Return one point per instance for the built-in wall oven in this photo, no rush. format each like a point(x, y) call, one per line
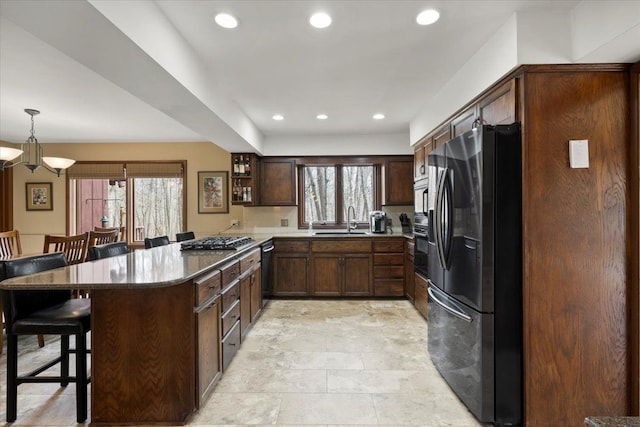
point(421, 227)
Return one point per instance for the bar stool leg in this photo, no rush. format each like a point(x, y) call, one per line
point(12, 374)
point(81, 377)
point(64, 363)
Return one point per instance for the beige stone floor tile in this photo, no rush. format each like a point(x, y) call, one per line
point(324, 360)
point(368, 381)
point(397, 361)
point(274, 381)
point(327, 408)
point(422, 409)
point(239, 408)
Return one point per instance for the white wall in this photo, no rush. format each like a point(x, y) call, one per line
point(337, 145)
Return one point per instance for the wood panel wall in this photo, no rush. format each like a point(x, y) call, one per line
point(6, 200)
point(576, 228)
point(634, 292)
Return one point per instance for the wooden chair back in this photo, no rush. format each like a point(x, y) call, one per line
point(121, 230)
point(74, 247)
point(10, 243)
point(103, 237)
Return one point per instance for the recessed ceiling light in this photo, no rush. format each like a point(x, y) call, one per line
point(278, 117)
point(378, 116)
point(320, 20)
point(427, 17)
point(322, 117)
point(226, 21)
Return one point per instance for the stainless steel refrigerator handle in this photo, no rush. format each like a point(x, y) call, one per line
point(438, 212)
point(453, 311)
point(269, 249)
point(447, 189)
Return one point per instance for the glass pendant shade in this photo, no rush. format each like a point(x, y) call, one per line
point(7, 154)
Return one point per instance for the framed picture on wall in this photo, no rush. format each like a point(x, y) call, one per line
point(39, 196)
point(213, 192)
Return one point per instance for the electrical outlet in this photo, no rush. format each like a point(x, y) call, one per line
point(235, 223)
point(284, 223)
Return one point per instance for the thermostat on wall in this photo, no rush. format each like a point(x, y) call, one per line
point(579, 153)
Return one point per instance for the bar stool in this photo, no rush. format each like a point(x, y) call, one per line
point(54, 312)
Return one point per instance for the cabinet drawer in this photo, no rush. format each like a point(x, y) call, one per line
point(346, 245)
point(229, 272)
point(291, 245)
point(230, 317)
point(388, 245)
point(229, 295)
point(207, 286)
point(230, 345)
point(388, 259)
point(249, 260)
point(388, 287)
point(388, 272)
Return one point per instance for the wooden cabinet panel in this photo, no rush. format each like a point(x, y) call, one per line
point(229, 295)
point(290, 274)
point(344, 245)
point(357, 275)
point(574, 260)
point(208, 355)
point(441, 136)
point(278, 182)
point(256, 293)
point(464, 122)
point(207, 286)
point(229, 273)
point(291, 245)
point(388, 287)
point(230, 345)
point(389, 245)
point(409, 280)
point(327, 271)
point(231, 316)
point(419, 160)
point(499, 107)
point(245, 305)
point(398, 182)
point(249, 260)
point(421, 294)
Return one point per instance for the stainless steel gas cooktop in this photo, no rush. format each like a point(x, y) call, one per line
point(216, 243)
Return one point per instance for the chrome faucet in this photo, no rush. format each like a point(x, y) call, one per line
point(349, 218)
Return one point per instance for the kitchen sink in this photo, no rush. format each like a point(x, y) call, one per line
point(340, 233)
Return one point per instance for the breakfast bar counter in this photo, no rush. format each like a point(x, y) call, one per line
point(143, 329)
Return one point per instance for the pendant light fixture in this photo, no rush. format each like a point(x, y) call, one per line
point(32, 154)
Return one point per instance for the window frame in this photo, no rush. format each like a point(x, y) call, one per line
point(72, 197)
point(338, 163)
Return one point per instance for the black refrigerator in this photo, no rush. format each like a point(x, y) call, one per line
point(475, 270)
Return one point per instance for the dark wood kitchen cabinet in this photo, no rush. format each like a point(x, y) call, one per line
point(341, 267)
point(420, 299)
point(425, 146)
point(290, 267)
point(388, 267)
point(208, 332)
point(409, 280)
point(590, 297)
point(277, 181)
point(249, 281)
point(398, 182)
point(244, 185)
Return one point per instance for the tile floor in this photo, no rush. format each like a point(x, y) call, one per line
point(305, 362)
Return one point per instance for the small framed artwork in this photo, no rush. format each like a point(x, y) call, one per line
point(213, 192)
point(39, 196)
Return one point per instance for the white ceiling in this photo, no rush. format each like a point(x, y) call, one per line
point(129, 71)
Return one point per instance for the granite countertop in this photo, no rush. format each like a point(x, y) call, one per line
point(152, 268)
point(612, 421)
point(157, 267)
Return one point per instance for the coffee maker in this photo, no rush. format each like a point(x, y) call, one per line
point(378, 222)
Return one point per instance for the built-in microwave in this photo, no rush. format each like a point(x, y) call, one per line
point(420, 200)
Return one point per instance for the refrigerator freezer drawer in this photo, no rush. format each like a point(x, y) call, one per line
point(461, 347)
